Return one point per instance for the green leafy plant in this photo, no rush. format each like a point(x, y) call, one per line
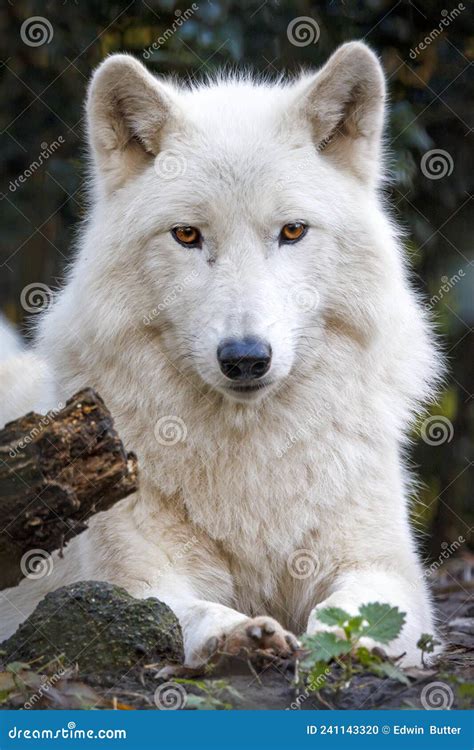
point(343, 646)
point(427, 644)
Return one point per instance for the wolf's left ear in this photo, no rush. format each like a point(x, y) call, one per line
point(127, 108)
point(344, 104)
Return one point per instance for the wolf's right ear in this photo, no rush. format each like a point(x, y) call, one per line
point(127, 108)
point(344, 106)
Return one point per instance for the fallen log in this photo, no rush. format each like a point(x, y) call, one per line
point(56, 471)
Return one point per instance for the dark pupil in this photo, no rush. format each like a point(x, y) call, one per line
point(293, 228)
point(188, 233)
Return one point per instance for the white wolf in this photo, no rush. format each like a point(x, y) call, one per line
point(241, 303)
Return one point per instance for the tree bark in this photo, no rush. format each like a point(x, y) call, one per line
point(57, 470)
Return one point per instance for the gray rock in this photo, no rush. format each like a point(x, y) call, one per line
point(100, 627)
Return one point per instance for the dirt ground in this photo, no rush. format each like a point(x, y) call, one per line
point(126, 643)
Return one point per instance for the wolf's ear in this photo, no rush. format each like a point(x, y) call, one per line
point(344, 104)
point(127, 108)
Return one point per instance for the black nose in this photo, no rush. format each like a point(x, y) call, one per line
point(244, 359)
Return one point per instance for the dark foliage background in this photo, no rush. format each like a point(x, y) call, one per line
point(42, 93)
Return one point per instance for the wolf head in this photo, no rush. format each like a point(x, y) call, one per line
point(237, 246)
point(244, 205)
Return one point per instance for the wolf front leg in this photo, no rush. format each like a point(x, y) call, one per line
point(211, 628)
point(360, 586)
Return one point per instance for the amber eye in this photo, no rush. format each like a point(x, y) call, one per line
point(188, 236)
point(292, 232)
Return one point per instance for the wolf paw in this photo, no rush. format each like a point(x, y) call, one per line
point(256, 637)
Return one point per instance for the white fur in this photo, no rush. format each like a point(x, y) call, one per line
point(313, 462)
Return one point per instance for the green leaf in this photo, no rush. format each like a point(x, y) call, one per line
point(382, 667)
point(366, 658)
point(188, 681)
point(200, 702)
point(7, 681)
point(466, 690)
point(354, 625)
point(387, 669)
point(317, 676)
point(333, 616)
point(384, 622)
point(17, 666)
point(427, 643)
point(326, 646)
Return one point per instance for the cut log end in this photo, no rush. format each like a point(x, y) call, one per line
point(56, 471)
